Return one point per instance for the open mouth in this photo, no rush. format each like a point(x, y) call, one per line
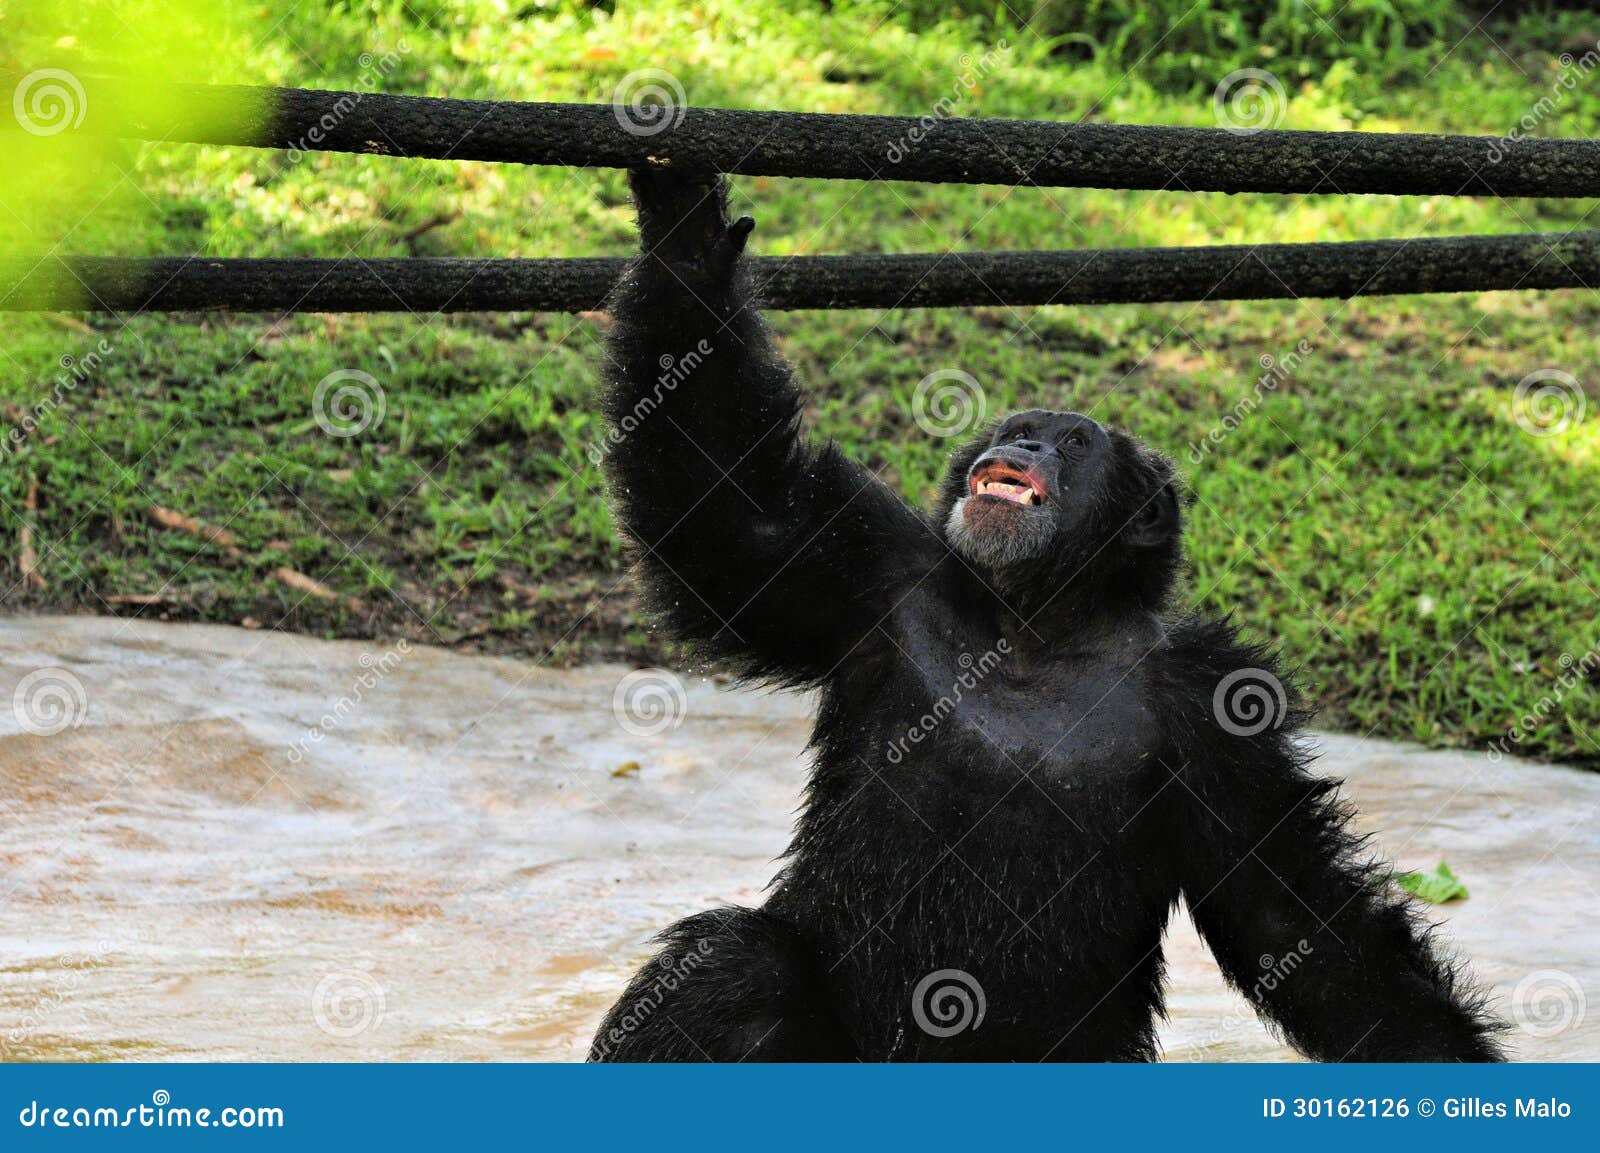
point(1003, 482)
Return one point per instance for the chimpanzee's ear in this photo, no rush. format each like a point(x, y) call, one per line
point(1159, 520)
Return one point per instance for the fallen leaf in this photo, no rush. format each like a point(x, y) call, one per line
point(171, 518)
point(311, 586)
point(1436, 887)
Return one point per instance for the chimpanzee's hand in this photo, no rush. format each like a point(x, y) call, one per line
point(683, 220)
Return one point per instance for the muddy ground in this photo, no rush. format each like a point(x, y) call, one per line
point(219, 843)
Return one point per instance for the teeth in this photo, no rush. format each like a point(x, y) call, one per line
point(1020, 493)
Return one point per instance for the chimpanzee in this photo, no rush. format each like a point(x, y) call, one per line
point(1024, 757)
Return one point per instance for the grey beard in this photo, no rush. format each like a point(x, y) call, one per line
point(1028, 539)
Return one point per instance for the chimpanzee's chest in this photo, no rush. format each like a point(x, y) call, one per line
point(961, 712)
point(989, 811)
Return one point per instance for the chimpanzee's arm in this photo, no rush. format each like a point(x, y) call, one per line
point(1317, 938)
point(755, 546)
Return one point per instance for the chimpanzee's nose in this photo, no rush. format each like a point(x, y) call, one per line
point(1029, 445)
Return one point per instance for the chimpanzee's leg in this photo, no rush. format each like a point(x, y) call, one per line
point(728, 985)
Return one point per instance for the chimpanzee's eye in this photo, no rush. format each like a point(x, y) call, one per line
point(1076, 440)
point(1020, 432)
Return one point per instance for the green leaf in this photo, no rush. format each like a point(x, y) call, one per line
point(1436, 887)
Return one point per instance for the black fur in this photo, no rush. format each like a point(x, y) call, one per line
point(1021, 766)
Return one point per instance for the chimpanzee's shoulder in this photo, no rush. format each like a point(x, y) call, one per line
point(1207, 673)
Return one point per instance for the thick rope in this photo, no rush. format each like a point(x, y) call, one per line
point(1100, 276)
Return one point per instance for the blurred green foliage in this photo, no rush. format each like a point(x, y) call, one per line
point(1176, 44)
point(1382, 514)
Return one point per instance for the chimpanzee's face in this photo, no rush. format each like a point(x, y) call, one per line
point(1058, 487)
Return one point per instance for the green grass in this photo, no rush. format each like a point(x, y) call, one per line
point(1381, 515)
